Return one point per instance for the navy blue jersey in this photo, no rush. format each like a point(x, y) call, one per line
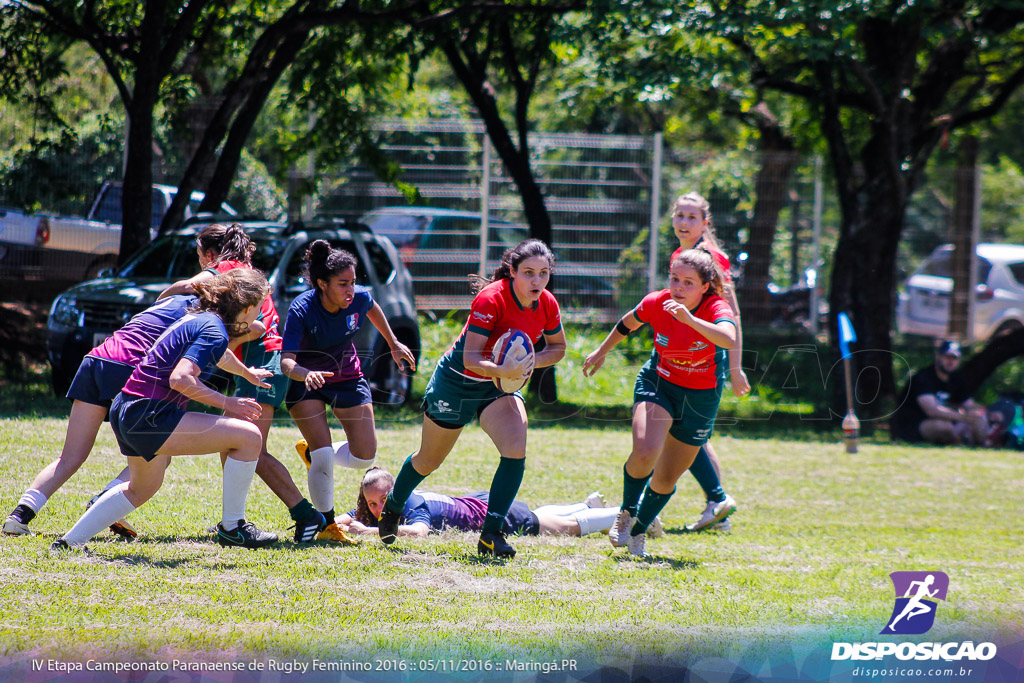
point(323, 341)
point(131, 343)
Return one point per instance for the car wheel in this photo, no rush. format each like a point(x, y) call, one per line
point(1007, 327)
point(388, 384)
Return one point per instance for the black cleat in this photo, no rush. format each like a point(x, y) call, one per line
point(62, 546)
point(387, 525)
point(494, 543)
point(245, 536)
point(307, 529)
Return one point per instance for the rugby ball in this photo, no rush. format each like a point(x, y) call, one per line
point(514, 345)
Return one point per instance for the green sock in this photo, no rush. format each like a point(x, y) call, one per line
point(302, 510)
point(504, 487)
point(652, 504)
point(631, 490)
point(408, 479)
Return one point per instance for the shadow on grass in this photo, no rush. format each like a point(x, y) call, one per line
point(651, 558)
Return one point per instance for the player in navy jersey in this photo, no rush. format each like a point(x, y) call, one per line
point(320, 358)
point(426, 511)
point(676, 396)
point(222, 247)
point(462, 388)
point(100, 378)
point(691, 223)
point(151, 423)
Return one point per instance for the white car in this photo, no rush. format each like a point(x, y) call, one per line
point(998, 301)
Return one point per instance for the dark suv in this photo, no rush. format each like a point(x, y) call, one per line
point(86, 314)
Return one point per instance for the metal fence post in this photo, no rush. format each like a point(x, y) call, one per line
point(485, 204)
point(816, 258)
point(652, 263)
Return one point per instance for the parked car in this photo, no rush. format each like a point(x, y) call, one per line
point(86, 314)
point(441, 247)
point(76, 248)
point(923, 306)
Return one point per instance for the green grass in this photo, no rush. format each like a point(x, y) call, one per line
point(817, 533)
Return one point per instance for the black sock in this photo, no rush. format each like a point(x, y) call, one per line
point(329, 516)
point(302, 510)
point(24, 514)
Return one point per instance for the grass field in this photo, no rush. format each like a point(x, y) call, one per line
point(817, 533)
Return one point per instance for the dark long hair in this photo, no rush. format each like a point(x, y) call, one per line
point(510, 261)
point(701, 260)
point(229, 242)
point(323, 262)
point(230, 293)
point(372, 477)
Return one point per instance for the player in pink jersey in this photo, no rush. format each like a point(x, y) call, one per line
point(691, 223)
point(461, 388)
point(676, 395)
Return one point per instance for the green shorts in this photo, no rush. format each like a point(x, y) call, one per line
point(254, 356)
point(693, 411)
point(452, 401)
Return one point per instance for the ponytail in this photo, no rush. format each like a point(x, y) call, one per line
point(229, 242)
point(323, 262)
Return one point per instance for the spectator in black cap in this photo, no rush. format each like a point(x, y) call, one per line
point(934, 406)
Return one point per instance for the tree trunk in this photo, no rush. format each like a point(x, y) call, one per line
point(997, 351)
point(137, 191)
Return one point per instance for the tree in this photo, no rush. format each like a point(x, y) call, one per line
point(888, 81)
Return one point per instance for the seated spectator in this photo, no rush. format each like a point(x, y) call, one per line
point(934, 408)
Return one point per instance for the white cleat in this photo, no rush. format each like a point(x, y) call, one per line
point(713, 513)
point(595, 500)
point(638, 545)
point(13, 527)
point(656, 530)
point(619, 533)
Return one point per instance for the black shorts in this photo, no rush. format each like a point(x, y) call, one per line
point(99, 381)
point(345, 394)
point(519, 520)
point(142, 425)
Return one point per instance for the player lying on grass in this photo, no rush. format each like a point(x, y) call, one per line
point(426, 511)
point(676, 395)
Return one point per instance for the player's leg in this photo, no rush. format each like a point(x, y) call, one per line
point(83, 425)
point(676, 457)
point(504, 421)
point(706, 471)
point(938, 431)
point(651, 422)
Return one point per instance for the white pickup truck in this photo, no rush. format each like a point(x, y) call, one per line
point(72, 248)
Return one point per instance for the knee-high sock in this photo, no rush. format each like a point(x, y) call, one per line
point(592, 520)
point(408, 479)
point(33, 499)
point(562, 510)
point(631, 490)
point(652, 504)
point(504, 487)
point(111, 506)
point(238, 476)
point(704, 472)
point(343, 457)
point(321, 478)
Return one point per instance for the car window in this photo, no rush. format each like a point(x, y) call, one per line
point(382, 265)
point(404, 231)
point(173, 257)
point(940, 265)
point(453, 232)
point(1017, 270)
point(109, 208)
point(294, 274)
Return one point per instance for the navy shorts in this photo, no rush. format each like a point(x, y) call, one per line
point(519, 520)
point(693, 411)
point(348, 393)
point(452, 401)
point(99, 381)
point(279, 383)
point(142, 425)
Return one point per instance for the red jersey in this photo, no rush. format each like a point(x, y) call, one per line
point(271, 339)
point(720, 258)
point(682, 355)
point(495, 311)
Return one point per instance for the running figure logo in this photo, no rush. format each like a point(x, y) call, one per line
point(917, 595)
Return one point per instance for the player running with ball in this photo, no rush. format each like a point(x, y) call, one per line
point(462, 387)
point(676, 395)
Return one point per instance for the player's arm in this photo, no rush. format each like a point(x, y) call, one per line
point(629, 323)
point(185, 380)
point(932, 408)
point(185, 286)
point(738, 378)
point(554, 350)
point(229, 363)
point(399, 351)
point(474, 358)
point(313, 379)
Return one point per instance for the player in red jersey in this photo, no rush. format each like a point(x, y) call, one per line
point(462, 387)
point(676, 395)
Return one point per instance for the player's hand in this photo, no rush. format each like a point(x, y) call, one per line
point(400, 353)
point(740, 383)
point(517, 368)
point(677, 311)
point(257, 376)
point(592, 363)
point(317, 378)
point(355, 527)
point(243, 408)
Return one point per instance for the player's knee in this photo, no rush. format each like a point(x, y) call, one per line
point(364, 451)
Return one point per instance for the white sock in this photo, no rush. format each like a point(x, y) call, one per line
point(33, 498)
point(116, 481)
point(343, 457)
point(593, 520)
point(562, 510)
point(321, 478)
point(238, 476)
point(111, 506)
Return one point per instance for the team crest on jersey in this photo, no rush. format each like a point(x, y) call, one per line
point(661, 339)
point(483, 317)
point(352, 321)
point(698, 346)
